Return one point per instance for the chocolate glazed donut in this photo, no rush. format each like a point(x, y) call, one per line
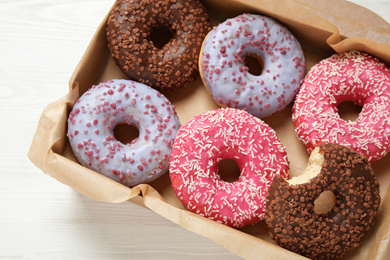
point(158, 42)
point(290, 214)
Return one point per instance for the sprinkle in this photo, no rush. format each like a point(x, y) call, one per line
point(325, 236)
point(224, 69)
point(354, 76)
point(99, 149)
point(207, 139)
point(131, 42)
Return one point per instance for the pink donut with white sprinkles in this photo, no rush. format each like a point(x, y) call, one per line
point(226, 133)
point(350, 76)
point(91, 126)
point(227, 77)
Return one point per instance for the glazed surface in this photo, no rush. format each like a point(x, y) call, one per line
point(352, 76)
point(130, 34)
point(294, 224)
point(91, 126)
point(206, 140)
point(227, 77)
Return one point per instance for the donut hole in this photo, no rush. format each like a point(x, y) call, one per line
point(160, 36)
point(126, 134)
point(228, 170)
point(349, 110)
point(325, 202)
point(254, 64)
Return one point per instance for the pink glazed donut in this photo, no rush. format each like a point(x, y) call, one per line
point(351, 76)
point(226, 76)
point(226, 133)
point(91, 126)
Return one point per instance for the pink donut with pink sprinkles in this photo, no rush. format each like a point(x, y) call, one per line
point(226, 133)
point(225, 73)
point(91, 126)
point(350, 76)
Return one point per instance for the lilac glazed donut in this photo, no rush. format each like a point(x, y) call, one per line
point(351, 76)
point(91, 131)
point(227, 77)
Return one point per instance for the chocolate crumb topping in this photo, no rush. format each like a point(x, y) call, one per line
point(158, 42)
point(290, 215)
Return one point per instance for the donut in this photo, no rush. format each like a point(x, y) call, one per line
point(157, 42)
point(226, 76)
point(100, 109)
point(204, 142)
point(290, 212)
point(351, 76)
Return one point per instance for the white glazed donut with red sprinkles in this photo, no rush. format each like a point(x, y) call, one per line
point(350, 76)
point(226, 133)
point(91, 126)
point(224, 73)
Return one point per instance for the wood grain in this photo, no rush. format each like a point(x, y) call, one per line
point(41, 43)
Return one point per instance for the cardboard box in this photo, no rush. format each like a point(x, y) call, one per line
point(322, 27)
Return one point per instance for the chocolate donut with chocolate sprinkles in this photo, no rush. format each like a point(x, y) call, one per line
point(291, 214)
point(158, 42)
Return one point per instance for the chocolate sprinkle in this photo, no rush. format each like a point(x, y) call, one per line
point(294, 225)
point(129, 33)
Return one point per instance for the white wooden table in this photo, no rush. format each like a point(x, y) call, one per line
point(41, 42)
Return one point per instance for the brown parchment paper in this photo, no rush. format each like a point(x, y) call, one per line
point(323, 27)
